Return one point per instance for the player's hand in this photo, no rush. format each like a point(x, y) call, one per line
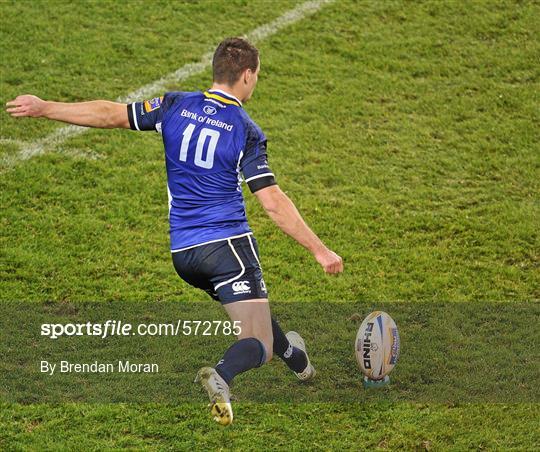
point(329, 261)
point(26, 105)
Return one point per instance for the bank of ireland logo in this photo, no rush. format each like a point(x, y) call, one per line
point(239, 287)
point(209, 110)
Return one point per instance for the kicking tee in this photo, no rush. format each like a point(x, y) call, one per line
point(210, 143)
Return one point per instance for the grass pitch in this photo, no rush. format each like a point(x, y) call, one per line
point(406, 134)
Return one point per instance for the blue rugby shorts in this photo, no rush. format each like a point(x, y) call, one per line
point(228, 270)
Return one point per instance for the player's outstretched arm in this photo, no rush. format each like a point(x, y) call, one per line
point(98, 113)
point(284, 213)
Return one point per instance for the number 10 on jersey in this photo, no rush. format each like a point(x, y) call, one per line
point(199, 159)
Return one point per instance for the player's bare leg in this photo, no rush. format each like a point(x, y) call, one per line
point(255, 317)
point(255, 320)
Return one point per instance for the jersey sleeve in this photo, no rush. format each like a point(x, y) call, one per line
point(146, 115)
point(254, 162)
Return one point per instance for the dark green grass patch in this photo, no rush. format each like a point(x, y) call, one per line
point(350, 426)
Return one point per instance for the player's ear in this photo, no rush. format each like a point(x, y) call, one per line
point(248, 73)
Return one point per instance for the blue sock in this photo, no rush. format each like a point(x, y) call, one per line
point(295, 358)
point(243, 355)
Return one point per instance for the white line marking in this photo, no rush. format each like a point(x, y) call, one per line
point(12, 141)
point(56, 138)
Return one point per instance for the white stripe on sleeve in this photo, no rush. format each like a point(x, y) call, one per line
point(259, 176)
point(134, 116)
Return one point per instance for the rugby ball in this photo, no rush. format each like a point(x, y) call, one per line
point(377, 345)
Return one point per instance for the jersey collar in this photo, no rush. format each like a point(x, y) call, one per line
point(222, 96)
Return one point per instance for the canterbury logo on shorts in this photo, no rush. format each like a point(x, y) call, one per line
point(240, 287)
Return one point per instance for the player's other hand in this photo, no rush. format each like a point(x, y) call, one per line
point(329, 261)
point(26, 105)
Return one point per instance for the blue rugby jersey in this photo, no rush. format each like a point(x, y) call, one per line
point(209, 142)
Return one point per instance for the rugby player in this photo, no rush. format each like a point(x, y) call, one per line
point(210, 143)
